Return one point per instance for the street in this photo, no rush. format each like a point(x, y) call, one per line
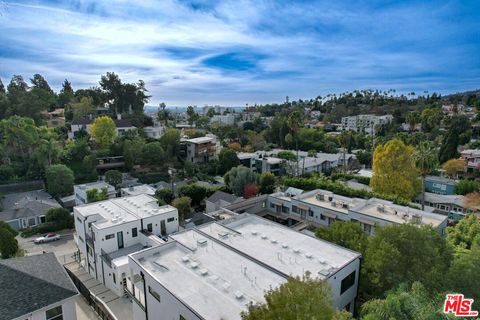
point(63, 248)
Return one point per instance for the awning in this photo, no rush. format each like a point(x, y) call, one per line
point(367, 222)
point(330, 215)
point(277, 203)
point(303, 207)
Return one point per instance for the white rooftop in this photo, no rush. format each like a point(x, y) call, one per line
point(200, 140)
point(215, 282)
point(125, 209)
point(96, 185)
point(288, 251)
point(141, 189)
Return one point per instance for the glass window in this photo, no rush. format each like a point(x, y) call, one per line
point(54, 313)
point(114, 278)
point(347, 282)
point(171, 219)
point(149, 227)
point(322, 217)
point(154, 293)
point(109, 236)
point(294, 208)
point(134, 232)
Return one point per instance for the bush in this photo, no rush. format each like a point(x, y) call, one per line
point(464, 187)
point(56, 219)
point(6, 173)
point(346, 177)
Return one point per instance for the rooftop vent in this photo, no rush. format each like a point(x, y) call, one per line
point(203, 272)
point(296, 250)
point(334, 204)
point(264, 237)
point(223, 234)
point(185, 258)
point(238, 294)
point(226, 286)
point(320, 197)
point(194, 265)
point(202, 241)
point(273, 241)
point(114, 220)
point(284, 245)
point(254, 232)
point(324, 273)
point(308, 255)
point(381, 208)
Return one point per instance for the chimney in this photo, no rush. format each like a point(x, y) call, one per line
point(119, 116)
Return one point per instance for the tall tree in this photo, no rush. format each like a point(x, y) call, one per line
point(394, 171)
point(267, 183)
point(8, 243)
point(103, 131)
point(183, 205)
point(412, 118)
point(238, 177)
point(59, 180)
point(458, 133)
point(66, 94)
point(295, 121)
point(347, 234)
point(425, 157)
point(453, 167)
point(228, 159)
point(82, 108)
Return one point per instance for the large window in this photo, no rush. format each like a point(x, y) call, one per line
point(134, 232)
point(347, 282)
point(154, 293)
point(109, 236)
point(171, 219)
point(149, 227)
point(54, 313)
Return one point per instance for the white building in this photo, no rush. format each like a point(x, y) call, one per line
point(322, 208)
point(198, 150)
point(364, 122)
point(225, 266)
point(80, 191)
point(136, 190)
point(155, 132)
point(228, 119)
point(122, 126)
point(107, 231)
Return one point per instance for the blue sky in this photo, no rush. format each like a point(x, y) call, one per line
point(241, 51)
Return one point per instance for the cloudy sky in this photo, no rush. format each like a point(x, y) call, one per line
point(241, 51)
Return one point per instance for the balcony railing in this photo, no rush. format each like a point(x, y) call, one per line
point(106, 258)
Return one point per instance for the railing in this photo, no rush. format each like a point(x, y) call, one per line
point(135, 294)
point(106, 258)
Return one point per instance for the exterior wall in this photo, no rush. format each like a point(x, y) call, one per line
point(335, 281)
point(81, 194)
point(439, 187)
point(68, 309)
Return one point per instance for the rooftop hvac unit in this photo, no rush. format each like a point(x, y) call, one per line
point(194, 265)
point(320, 197)
point(381, 208)
point(324, 273)
point(238, 294)
point(203, 272)
point(334, 204)
point(185, 258)
point(308, 255)
point(296, 250)
point(264, 237)
point(114, 220)
point(284, 246)
point(202, 241)
point(223, 235)
point(273, 241)
point(254, 232)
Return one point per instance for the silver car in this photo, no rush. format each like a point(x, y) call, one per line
point(47, 238)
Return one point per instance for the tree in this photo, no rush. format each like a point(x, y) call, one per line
point(228, 159)
point(66, 94)
point(464, 187)
point(347, 234)
point(103, 131)
point(394, 172)
point(405, 253)
point(405, 303)
point(294, 122)
point(425, 157)
point(192, 115)
point(93, 195)
point(287, 155)
point(8, 243)
point(193, 191)
point(453, 167)
point(82, 108)
point(60, 217)
point(163, 114)
point(153, 154)
point(459, 132)
point(183, 205)
point(267, 183)
point(250, 190)
point(59, 180)
point(170, 141)
point(297, 298)
point(131, 151)
point(114, 177)
point(165, 195)
point(412, 118)
point(238, 177)
point(464, 233)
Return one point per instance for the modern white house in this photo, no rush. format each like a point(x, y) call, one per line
point(364, 122)
point(107, 231)
point(214, 271)
point(36, 287)
point(80, 191)
point(322, 208)
point(154, 132)
point(140, 189)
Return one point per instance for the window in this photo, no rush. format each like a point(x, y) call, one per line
point(294, 209)
point(54, 313)
point(114, 278)
point(154, 293)
point(171, 219)
point(285, 209)
point(322, 217)
point(310, 213)
point(109, 236)
point(79, 220)
point(367, 228)
point(149, 227)
point(134, 232)
point(347, 282)
point(272, 205)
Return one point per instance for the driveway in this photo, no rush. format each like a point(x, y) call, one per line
point(63, 248)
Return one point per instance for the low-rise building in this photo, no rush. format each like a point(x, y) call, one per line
point(26, 209)
point(36, 287)
point(107, 231)
point(140, 189)
point(80, 191)
point(322, 208)
point(472, 159)
point(445, 204)
point(218, 200)
point(228, 119)
point(77, 125)
point(440, 185)
point(199, 150)
point(225, 266)
point(154, 132)
point(364, 123)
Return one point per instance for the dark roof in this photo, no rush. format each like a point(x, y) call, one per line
point(120, 123)
point(31, 283)
point(27, 204)
point(220, 195)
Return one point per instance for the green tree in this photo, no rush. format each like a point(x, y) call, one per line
point(59, 180)
point(103, 131)
point(238, 177)
point(267, 183)
point(93, 195)
point(183, 205)
point(228, 159)
point(405, 253)
point(114, 177)
point(453, 167)
point(346, 234)
point(425, 157)
point(170, 142)
point(405, 303)
point(82, 108)
point(294, 122)
point(464, 233)
point(193, 191)
point(8, 243)
point(287, 155)
point(131, 151)
point(153, 154)
point(464, 187)
point(60, 217)
point(192, 115)
point(165, 195)
point(66, 94)
point(394, 171)
point(458, 133)
point(297, 298)
point(412, 118)
point(163, 113)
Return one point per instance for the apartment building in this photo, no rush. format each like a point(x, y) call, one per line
point(322, 208)
point(226, 265)
point(224, 120)
point(364, 123)
point(80, 191)
point(107, 231)
point(199, 150)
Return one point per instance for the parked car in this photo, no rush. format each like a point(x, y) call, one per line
point(47, 238)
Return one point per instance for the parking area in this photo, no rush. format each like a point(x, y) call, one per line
point(63, 248)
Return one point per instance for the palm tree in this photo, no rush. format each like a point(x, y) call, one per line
point(412, 118)
point(425, 158)
point(294, 121)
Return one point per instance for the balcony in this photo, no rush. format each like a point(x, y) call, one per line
point(135, 291)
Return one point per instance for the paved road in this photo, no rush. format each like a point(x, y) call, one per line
point(62, 248)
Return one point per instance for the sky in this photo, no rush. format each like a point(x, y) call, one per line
point(241, 51)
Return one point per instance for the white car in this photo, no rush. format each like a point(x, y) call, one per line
point(47, 238)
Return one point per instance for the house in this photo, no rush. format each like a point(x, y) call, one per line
point(26, 209)
point(322, 208)
point(122, 126)
point(36, 287)
point(226, 265)
point(440, 185)
point(199, 150)
point(445, 204)
point(56, 118)
point(218, 200)
point(364, 123)
point(136, 190)
point(224, 120)
point(154, 132)
point(472, 159)
point(107, 231)
point(80, 191)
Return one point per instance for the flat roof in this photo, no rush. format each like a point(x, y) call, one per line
point(216, 282)
point(286, 250)
point(143, 188)
point(200, 140)
point(336, 204)
point(125, 209)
